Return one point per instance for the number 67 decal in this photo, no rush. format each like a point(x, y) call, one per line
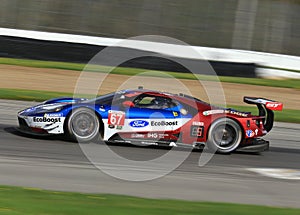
point(116, 118)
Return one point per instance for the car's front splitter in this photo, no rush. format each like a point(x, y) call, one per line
point(32, 132)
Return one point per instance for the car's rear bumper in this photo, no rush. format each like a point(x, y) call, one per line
point(257, 145)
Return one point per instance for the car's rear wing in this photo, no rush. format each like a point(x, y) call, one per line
point(265, 108)
point(269, 104)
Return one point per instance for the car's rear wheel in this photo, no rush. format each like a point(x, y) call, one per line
point(83, 125)
point(224, 135)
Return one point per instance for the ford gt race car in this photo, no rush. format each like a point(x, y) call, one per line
point(153, 118)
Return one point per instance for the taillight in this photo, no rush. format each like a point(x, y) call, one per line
point(259, 122)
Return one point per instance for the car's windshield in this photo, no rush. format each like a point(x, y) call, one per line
point(107, 99)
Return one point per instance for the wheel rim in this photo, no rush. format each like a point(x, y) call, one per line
point(225, 136)
point(84, 125)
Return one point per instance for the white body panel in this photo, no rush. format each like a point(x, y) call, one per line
point(52, 124)
point(152, 125)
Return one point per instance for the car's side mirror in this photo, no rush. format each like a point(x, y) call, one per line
point(128, 104)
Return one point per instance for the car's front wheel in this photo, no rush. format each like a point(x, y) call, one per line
point(83, 125)
point(224, 135)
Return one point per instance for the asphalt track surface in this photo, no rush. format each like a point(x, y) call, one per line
point(56, 164)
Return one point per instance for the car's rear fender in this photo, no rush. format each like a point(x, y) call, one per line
point(228, 117)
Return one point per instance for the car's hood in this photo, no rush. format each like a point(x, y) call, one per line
point(52, 105)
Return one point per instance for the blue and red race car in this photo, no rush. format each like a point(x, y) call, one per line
point(153, 118)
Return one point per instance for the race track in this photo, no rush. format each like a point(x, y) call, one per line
point(52, 163)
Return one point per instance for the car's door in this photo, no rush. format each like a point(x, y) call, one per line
point(150, 118)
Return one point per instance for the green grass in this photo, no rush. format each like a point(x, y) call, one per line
point(33, 95)
point(42, 64)
point(286, 83)
point(19, 200)
point(30, 95)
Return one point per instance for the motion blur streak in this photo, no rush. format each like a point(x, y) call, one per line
point(269, 25)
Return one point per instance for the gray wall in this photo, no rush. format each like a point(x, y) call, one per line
point(261, 25)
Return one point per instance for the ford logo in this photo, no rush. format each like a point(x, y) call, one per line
point(138, 123)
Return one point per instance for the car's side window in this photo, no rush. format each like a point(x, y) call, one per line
point(185, 109)
point(153, 102)
point(146, 100)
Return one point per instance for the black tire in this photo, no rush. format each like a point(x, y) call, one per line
point(83, 125)
point(224, 136)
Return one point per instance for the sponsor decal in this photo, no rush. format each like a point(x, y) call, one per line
point(53, 115)
point(256, 131)
point(236, 113)
point(211, 112)
point(157, 135)
point(163, 135)
point(274, 105)
point(197, 131)
point(116, 118)
point(44, 119)
point(139, 123)
point(175, 113)
point(138, 135)
point(250, 133)
point(198, 123)
point(149, 143)
point(152, 135)
point(164, 123)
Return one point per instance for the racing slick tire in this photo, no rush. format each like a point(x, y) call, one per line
point(83, 125)
point(224, 136)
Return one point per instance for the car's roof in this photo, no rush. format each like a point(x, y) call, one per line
point(182, 97)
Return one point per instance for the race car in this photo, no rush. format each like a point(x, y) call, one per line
point(152, 117)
